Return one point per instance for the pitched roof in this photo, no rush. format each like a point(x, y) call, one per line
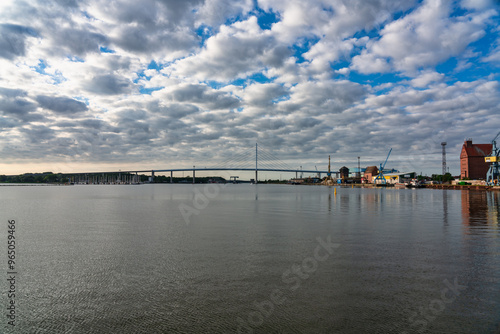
point(477, 150)
point(371, 169)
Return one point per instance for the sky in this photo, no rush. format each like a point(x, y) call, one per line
point(107, 85)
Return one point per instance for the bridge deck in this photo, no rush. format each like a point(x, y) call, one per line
point(208, 169)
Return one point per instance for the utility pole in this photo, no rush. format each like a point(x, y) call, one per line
point(443, 144)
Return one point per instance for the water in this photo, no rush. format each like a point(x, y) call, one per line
point(249, 259)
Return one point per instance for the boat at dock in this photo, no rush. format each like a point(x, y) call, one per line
point(415, 184)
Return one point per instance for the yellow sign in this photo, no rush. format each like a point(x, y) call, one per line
point(491, 159)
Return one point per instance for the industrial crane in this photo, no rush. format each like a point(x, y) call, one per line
point(493, 175)
point(380, 175)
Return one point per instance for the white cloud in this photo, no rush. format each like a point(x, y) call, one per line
point(421, 39)
point(216, 12)
point(263, 95)
point(238, 50)
point(494, 55)
point(425, 78)
point(368, 63)
point(478, 4)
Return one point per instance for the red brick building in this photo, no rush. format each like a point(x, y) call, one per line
point(370, 173)
point(472, 164)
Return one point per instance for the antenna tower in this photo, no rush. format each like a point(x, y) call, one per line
point(443, 144)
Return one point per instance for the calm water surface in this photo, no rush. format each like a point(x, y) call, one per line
point(252, 259)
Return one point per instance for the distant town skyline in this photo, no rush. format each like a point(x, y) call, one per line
point(97, 85)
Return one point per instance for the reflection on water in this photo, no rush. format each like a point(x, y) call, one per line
point(445, 207)
point(480, 208)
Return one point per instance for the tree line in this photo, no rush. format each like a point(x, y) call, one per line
point(47, 177)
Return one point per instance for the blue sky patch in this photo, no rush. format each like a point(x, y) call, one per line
point(154, 66)
point(266, 19)
point(375, 79)
point(257, 77)
point(204, 32)
point(82, 99)
point(105, 49)
point(302, 47)
point(40, 68)
point(148, 91)
point(76, 59)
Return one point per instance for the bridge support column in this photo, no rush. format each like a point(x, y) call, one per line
point(171, 176)
point(152, 176)
point(194, 177)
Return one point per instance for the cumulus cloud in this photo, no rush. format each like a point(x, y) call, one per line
point(423, 38)
point(214, 13)
point(263, 95)
point(14, 103)
point(238, 50)
point(426, 78)
point(336, 19)
point(202, 95)
point(13, 40)
point(62, 105)
point(77, 42)
point(108, 84)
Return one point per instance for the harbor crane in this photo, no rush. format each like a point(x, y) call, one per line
point(380, 175)
point(493, 175)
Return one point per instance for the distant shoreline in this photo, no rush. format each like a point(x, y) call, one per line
point(371, 186)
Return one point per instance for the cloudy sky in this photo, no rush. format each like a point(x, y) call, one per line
point(107, 85)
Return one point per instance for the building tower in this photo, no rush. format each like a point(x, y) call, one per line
point(443, 144)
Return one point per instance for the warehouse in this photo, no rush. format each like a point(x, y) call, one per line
point(472, 164)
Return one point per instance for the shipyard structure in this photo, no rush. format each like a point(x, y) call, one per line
point(479, 163)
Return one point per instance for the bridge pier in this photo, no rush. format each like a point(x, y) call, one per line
point(194, 177)
point(171, 176)
point(152, 176)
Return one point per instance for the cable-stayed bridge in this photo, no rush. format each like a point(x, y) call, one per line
point(251, 160)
